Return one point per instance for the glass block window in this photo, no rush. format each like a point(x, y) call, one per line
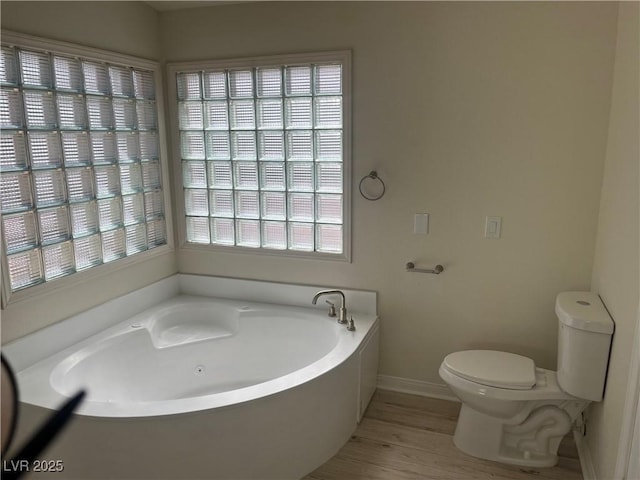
point(262, 151)
point(80, 178)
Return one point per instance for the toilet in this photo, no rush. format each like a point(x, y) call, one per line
point(514, 412)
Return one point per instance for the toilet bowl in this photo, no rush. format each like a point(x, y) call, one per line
point(513, 412)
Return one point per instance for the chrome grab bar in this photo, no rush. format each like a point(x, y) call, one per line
point(411, 267)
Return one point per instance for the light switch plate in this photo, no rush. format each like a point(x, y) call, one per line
point(493, 227)
point(421, 223)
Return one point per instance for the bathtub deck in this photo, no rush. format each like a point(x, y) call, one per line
point(406, 437)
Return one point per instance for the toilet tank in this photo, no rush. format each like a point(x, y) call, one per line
point(584, 339)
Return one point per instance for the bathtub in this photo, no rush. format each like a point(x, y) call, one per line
point(200, 377)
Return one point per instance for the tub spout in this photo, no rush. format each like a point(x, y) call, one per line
point(342, 315)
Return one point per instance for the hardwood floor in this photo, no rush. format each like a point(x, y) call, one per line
point(408, 437)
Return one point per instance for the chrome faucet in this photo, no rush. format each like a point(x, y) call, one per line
point(342, 311)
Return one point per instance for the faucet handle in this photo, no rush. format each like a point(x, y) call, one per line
point(332, 308)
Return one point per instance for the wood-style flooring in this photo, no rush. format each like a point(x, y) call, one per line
point(409, 437)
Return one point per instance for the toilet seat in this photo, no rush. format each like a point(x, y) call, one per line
point(492, 368)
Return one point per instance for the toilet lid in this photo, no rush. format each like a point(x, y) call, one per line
point(494, 369)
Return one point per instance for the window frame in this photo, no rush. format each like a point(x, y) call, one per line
point(30, 42)
point(173, 68)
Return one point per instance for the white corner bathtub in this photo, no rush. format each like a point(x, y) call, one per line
point(195, 386)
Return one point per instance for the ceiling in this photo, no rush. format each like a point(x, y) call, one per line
point(169, 5)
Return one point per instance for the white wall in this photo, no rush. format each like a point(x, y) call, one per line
point(130, 28)
point(465, 110)
point(616, 263)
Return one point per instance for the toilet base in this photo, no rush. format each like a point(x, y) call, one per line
point(486, 437)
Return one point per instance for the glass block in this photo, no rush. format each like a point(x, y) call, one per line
point(80, 184)
point(300, 145)
point(127, 145)
point(247, 205)
point(270, 113)
point(220, 175)
point(103, 147)
point(327, 112)
point(194, 174)
point(328, 80)
point(84, 219)
point(196, 202)
point(68, 73)
point(54, 225)
point(13, 152)
point(329, 208)
point(107, 181)
point(44, 149)
point(100, 113)
point(246, 175)
point(248, 233)
point(328, 145)
point(58, 260)
point(136, 238)
point(121, 81)
point(49, 187)
point(218, 146)
point(274, 235)
point(221, 202)
point(329, 238)
point(222, 231)
point(19, 231)
point(215, 85)
point(242, 115)
point(329, 177)
point(274, 205)
point(269, 82)
point(147, 116)
point(110, 213)
point(113, 245)
point(240, 84)
point(192, 145)
point(190, 116)
point(153, 204)
point(243, 146)
point(301, 237)
point(189, 87)
point(271, 146)
point(298, 112)
point(156, 233)
point(36, 69)
point(96, 78)
point(198, 230)
point(216, 115)
point(301, 207)
point(10, 108)
point(298, 80)
point(144, 84)
point(151, 178)
point(133, 208)
point(300, 177)
point(130, 178)
point(75, 148)
point(72, 113)
point(272, 176)
point(8, 66)
point(88, 252)
point(39, 109)
point(124, 114)
point(15, 191)
point(25, 269)
point(149, 146)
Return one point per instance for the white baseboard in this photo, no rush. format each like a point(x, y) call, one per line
point(586, 460)
point(416, 387)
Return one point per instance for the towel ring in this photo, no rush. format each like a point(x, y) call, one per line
point(374, 176)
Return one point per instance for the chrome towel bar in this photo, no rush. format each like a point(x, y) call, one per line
point(411, 267)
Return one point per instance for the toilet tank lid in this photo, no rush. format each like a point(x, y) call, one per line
point(493, 368)
point(583, 311)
